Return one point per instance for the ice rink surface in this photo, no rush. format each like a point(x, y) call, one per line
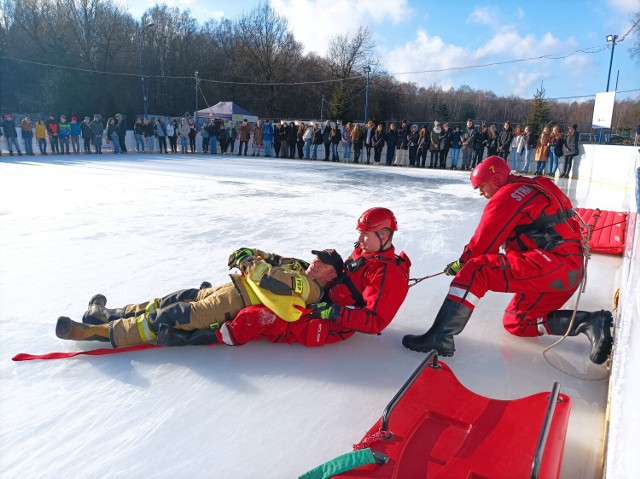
point(135, 227)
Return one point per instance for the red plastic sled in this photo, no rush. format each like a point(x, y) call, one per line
point(608, 230)
point(436, 428)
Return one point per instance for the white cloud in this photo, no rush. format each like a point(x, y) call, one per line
point(483, 16)
point(626, 6)
point(315, 22)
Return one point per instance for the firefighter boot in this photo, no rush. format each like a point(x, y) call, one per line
point(450, 320)
point(596, 326)
point(69, 329)
point(97, 312)
point(168, 336)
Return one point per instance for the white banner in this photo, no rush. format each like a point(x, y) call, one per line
point(603, 110)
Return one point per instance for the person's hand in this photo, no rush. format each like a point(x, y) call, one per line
point(452, 268)
point(237, 256)
point(325, 311)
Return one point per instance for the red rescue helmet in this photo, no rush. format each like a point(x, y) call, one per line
point(493, 170)
point(376, 219)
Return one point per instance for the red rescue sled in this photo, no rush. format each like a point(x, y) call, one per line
point(436, 428)
point(608, 230)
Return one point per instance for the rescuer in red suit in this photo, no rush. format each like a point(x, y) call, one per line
point(365, 298)
point(542, 263)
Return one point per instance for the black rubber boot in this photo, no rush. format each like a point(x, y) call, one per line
point(450, 320)
point(168, 336)
point(66, 328)
point(97, 312)
point(596, 326)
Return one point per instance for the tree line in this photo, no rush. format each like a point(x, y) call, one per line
point(81, 57)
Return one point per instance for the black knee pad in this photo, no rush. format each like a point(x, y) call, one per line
point(182, 295)
point(170, 316)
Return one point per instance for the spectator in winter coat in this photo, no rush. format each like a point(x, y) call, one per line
point(258, 142)
point(244, 131)
point(52, 130)
point(558, 143)
point(423, 147)
point(112, 135)
point(361, 295)
point(378, 143)
point(11, 134)
point(121, 129)
point(468, 144)
point(183, 134)
point(456, 143)
point(150, 134)
point(336, 138)
point(41, 136)
point(138, 134)
point(530, 141)
point(75, 135)
point(27, 135)
point(346, 142)
point(446, 137)
point(357, 139)
point(326, 140)
point(403, 146)
point(492, 141)
point(97, 130)
point(412, 142)
point(161, 131)
point(504, 141)
point(542, 150)
point(307, 137)
point(369, 130)
point(231, 134)
point(317, 140)
point(172, 134)
point(434, 144)
point(392, 142)
point(300, 140)
point(569, 151)
point(480, 142)
point(517, 146)
point(292, 140)
point(267, 137)
point(64, 129)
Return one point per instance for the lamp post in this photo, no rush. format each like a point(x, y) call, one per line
point(367, 70)
point(144, 90)
point(612, 39)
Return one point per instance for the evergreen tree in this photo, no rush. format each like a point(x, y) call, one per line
point(539, 111)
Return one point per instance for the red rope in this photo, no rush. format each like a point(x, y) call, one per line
point(92, 352)
point(370, 439)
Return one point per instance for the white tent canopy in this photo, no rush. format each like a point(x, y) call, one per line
point(227, 110)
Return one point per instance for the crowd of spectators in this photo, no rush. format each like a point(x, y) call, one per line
point(425, 146)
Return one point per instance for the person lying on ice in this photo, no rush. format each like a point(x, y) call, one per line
point(365, 295)
point(267, 278)
point(542, 264)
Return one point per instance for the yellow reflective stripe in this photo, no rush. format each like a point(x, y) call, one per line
point(143, 329)
point(152, 306)
point(301, 287)
point(259, 272)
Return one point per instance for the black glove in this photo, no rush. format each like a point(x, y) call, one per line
point(452, 268)
point(237, 256)
point(325, 311)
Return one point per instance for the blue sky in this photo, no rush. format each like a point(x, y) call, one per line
point(427, 42)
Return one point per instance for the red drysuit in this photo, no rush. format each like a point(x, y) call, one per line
point(543, 258)
point(370, 292)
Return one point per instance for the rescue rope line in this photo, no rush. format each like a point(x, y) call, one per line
point(414, 281)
